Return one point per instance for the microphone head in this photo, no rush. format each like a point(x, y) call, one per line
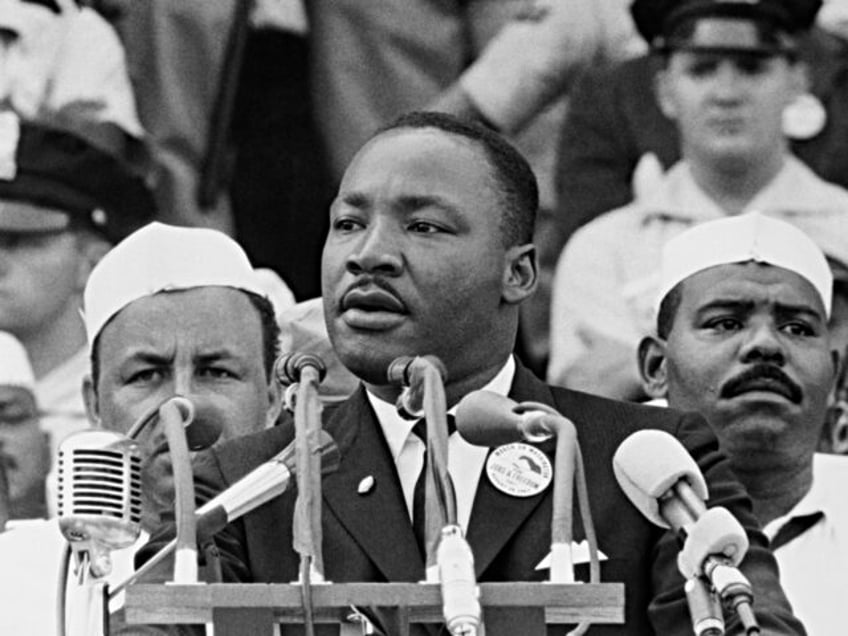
point(398, 371)
point(403, 370)
point(648, 463)
point(289, 366)
point(99, 489)
point(485, 418)
point(205, 426)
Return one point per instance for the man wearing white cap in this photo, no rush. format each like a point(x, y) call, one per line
point(168, 311)
point(179, 311)
point(728, 71)
point(742, 338)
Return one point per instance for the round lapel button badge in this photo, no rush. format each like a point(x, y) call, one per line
point(519, 470)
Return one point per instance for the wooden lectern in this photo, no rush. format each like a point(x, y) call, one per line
point(237, 609)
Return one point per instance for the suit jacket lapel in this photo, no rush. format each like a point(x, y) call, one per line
point(377, 520)
point(496, 516)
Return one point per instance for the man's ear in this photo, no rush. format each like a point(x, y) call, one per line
point(652, 366)
point(521, 273)
point(663, 93)
point(89, 396)
point(275, 403)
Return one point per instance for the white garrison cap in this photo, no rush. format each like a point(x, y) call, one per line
point(743, 238)
point(161, 258)
point(15, 369)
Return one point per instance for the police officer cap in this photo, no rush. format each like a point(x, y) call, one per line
point(70, 180)
point(756, 26)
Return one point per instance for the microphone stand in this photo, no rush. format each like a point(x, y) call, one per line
point(449, 560)
point(568, 474)
point(306, 371)
point(175, 414)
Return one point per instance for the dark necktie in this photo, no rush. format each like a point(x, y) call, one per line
point(419, 494)
point(794, 528)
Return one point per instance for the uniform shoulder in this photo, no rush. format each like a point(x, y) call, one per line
point(631, 416)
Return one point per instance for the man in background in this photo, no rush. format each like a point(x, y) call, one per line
point(63, 204)
point(169, 312)
point(729, 71)
point(742, 338)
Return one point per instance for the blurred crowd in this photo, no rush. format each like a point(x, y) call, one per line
point(241, 116)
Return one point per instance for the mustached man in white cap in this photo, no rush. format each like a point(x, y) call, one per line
point(742, 338)
point(168, 311)
point(729, 69)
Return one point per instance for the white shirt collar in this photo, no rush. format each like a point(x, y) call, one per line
point(815, 500)
point(396, 429)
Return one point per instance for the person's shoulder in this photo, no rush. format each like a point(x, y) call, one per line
point(238, 455)
point(797, 171)
point(632, 416)
point(609, 227)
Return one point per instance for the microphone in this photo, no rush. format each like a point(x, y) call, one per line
point(99, 494)
point(665, 484)
point(486, 418)
point(203, 427)
point(289, 367)
point(262, 484)
point(411, 373)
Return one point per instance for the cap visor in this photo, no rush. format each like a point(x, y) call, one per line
point(16, 216)
point(729, 35)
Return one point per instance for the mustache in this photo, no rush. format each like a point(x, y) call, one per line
point(370, 281)
point(753, 377)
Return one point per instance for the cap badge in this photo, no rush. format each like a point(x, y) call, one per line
point(804, 117)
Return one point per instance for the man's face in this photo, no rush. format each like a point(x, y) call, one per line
point(24, 451)
point(749, 349)
point(41, 279)
point(728, 106)
point(414, 262)
point(204, 344)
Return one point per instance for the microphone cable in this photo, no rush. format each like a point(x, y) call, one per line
point(562, 505)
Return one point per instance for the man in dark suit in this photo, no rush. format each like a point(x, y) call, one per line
point(429, 253)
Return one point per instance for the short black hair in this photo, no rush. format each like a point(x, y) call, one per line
point(513, 176)
point(668, 310)
point(270, 337)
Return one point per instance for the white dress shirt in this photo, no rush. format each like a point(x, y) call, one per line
point(813, 566)
point(465, 461)
point(31, 552)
